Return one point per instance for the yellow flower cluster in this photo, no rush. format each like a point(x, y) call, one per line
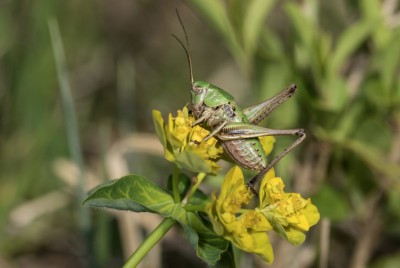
point(286, 213)
point(248, 230)
point(184, 144)
point(290, 214)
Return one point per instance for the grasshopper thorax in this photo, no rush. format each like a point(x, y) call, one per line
point(209, 94)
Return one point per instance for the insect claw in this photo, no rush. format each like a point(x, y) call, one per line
point(301, 132)
point(292, 88)
point(196, 142)
point(251, 187)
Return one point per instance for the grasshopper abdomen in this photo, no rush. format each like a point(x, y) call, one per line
point(248, 153)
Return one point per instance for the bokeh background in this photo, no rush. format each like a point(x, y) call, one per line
point(61, 133)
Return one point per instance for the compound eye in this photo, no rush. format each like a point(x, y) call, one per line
point(197, 90)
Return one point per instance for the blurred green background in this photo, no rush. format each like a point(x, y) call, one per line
point(121, 62)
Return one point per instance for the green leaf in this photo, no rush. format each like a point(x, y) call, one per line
point(135, 193)
point(375, 93)
point(106, 183)
point(349, 41)
point(373, 10)
point(389, 260)
point(199, 199)
point(331, 203)
point(373, 158)
point(345, 126)
point(215, 13)
point(208, 245)
point(276, 221)
point(6, 30)
point(162, 135)
point(272, 46)
point(191, 161)
point(253, 22)
point(159, 126)
point(394, 202)
point(335, 94)
point(390, 62)
point(370, 155)
point(227, 259)
point(365, 132)
point(302, 25)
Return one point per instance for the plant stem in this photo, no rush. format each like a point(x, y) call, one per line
point(149, 243)
point(200, 178)
point(175, 185)
point(194, 208)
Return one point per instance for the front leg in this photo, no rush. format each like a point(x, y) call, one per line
point(216, 130)
point(201, 119)
point(212, 116)
point(215, 118)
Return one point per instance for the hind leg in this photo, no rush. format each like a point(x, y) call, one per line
point(251, 184)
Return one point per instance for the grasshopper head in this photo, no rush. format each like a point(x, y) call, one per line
point(199, 93)
point(207, 95)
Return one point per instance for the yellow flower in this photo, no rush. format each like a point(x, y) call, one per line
point(267, 143)
point(185, 145)
point(289, 213)
point(286, 213)
point(246, 229)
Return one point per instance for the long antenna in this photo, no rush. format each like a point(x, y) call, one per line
point(186, 48)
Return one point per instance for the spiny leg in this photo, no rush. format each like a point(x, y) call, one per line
point(204, 117)
point(260, 175)
point(239, 130)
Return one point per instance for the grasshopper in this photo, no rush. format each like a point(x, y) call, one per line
point(236, 128)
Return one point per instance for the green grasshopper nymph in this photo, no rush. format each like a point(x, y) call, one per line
point(236, 128)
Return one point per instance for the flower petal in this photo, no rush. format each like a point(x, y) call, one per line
point(248, 231)
point(288, 213)
point(263, 192)
point(267, 143)
point(185, 144)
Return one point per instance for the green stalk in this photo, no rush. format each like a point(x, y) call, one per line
point(175, 185)
point(195, 208)
point(200, 178)
point(149, 243)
